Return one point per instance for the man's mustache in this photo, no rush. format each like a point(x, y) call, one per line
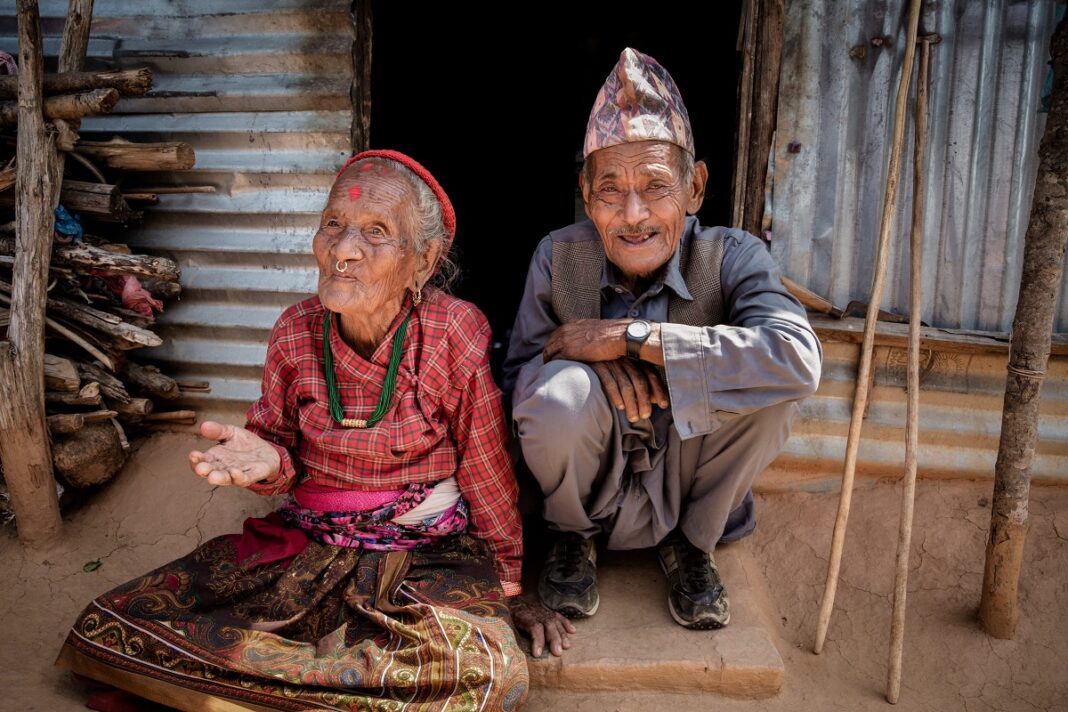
point(627, 230)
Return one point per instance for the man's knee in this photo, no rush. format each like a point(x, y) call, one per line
point(775, 421)
point(562, 401)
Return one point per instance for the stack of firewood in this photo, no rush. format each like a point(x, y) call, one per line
point(102, 299)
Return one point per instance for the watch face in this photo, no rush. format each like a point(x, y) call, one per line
point(637, 329)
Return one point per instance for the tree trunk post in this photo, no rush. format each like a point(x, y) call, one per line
point(24, 443)
point(1032, 330)
point(25, 449)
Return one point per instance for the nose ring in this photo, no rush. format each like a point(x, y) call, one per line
point(342, 266)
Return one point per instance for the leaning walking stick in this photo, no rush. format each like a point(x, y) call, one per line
point(860, 400)
point(912, 433)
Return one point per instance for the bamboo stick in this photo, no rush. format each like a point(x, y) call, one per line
point(912, 432)
point(860, 400)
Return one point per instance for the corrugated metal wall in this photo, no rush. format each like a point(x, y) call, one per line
point(261, 91)
point(960, 421)
point(832, 148)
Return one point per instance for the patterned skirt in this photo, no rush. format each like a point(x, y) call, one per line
point(269, 619)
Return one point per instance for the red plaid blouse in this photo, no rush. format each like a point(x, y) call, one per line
point(445, 418)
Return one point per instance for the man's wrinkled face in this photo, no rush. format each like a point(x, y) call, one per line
point(638, 199)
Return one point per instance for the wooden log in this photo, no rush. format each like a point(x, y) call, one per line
point(173, 189)
point(1044, 248)
point(128, 82)
point(194, 386)
point(98, 416)
point(69, 107)
point(24, 446)
point(99, 199)
point(65, 423)
point(128, 156)
point(60, 374)
point(106, 262)
point(162, 289)
point(91, 456)
point(88, 395)
point(109, 385)
point(174, 416)
point(128, 335)
point(148, 379)
point(135, 406)
point(150, 198)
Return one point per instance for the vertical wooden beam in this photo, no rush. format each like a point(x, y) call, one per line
point(747, 46)
point(75, 40)
point(765, 102)
point(360, 92)
point(24, 444)
point(1032, 329)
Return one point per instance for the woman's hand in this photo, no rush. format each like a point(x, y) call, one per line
point(241, 458)
point(542, 625)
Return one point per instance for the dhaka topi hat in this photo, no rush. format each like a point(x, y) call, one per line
point(448, 214)
point(638, 102)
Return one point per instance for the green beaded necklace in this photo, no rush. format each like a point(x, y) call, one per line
point(390, 383)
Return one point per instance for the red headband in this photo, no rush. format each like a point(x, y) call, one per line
point(448, 214)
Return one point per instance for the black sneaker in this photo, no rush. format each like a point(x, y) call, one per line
point(568, 582)
point(697, 599)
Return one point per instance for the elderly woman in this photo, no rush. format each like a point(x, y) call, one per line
point(384, 580)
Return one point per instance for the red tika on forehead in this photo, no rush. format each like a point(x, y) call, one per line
point(448, 213)
point(355, 192)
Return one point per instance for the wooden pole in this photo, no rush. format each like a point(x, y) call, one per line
point(765, 102)
point(747, 46)
point(360, 91)
point(860, 400)
point(1032, 328)
point(912, 432)
point(24, 443)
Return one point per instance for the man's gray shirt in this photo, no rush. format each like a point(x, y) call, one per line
point(764, 353)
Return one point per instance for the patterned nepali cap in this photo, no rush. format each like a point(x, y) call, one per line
point(638, 102)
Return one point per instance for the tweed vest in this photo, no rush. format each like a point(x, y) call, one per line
point(578, 263)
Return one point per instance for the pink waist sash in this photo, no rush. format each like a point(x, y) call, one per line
point(329, 499)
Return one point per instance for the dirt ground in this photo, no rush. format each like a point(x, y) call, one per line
point(156, 510)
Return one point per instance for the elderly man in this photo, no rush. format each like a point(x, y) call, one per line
point(655, 364)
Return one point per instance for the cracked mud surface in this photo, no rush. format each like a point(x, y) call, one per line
point(156, 510)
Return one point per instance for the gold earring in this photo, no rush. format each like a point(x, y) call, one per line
point(417, 296)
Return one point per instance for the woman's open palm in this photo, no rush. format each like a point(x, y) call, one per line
point(241, 458)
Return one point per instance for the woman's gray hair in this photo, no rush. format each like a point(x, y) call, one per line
point(429, 225)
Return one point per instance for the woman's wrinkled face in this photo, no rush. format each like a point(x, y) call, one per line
point(368, 226)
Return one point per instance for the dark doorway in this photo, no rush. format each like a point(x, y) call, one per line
point(499, 114)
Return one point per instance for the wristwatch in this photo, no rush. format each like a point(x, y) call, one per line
point(637, 332)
